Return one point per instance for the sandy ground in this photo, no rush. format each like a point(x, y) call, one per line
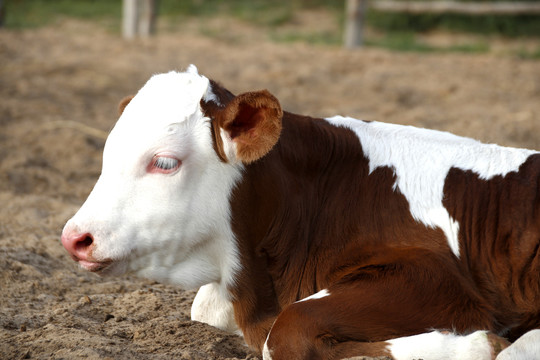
point(57, 81)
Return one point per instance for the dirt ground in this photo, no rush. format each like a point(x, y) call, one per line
point(59, 88)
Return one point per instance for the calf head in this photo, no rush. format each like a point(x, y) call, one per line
point(160, 208)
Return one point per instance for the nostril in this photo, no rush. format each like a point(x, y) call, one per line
point(84, 242)
point(79, 245)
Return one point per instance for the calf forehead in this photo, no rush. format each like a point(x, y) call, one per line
point(166, 107)
point(166, 98)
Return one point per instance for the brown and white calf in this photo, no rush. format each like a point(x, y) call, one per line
point(319, 238)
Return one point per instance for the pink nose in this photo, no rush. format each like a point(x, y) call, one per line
point(79, 246)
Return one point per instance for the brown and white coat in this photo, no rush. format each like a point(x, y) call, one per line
point(319, 238)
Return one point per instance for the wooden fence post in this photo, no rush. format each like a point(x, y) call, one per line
point(354, 18)
point(129, 19)
point(147, 17)
point(138, 18)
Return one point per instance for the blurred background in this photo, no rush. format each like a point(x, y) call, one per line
point(469, 67)
point(397, 25)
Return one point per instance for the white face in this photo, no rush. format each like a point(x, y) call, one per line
point(160, 208)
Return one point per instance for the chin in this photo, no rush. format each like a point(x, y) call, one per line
point(105, 268)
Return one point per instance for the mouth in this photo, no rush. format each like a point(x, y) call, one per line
point(93, 266)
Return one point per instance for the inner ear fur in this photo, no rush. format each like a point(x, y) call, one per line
point(253, 122)
point(123, 103)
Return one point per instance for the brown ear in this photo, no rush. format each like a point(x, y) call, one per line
point(253, 122)
point(123, 103)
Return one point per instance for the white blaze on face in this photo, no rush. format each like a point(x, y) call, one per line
point(161, 205)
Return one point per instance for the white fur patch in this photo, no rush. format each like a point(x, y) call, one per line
point(211, 96)
point(266, 354)
point(421, 160)
point(192, 69)
point(213, 307)
point(319, 295)
point(438, 346)
point(525, 348)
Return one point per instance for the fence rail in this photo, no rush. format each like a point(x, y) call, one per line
point(491, 8)
point(355, 10)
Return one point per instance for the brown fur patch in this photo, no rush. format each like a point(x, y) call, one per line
point(500, 237)
point(217, 141)
point(497, 344)
point(123, 103)
point(211, 109)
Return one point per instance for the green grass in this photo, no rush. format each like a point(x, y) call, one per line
point(37, 13)
point(477, 48)
point(270, 13)
point(400, 42)
point(258, 12)
point(506, 25)
point(407, 42)
point(315, 38)
point(529, 55)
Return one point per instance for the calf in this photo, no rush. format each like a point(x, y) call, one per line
point(318, 238)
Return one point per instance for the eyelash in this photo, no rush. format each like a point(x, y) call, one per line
point(163, 164)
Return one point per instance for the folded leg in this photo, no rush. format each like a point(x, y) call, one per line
point(525, 347)
point(390, 298)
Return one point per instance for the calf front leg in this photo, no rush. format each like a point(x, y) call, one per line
point(410, 295)
point(212, 306)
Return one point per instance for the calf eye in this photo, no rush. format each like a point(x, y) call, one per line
point(164, 164)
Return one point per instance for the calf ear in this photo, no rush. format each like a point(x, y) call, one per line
point(123, 103)
point(253, 122)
